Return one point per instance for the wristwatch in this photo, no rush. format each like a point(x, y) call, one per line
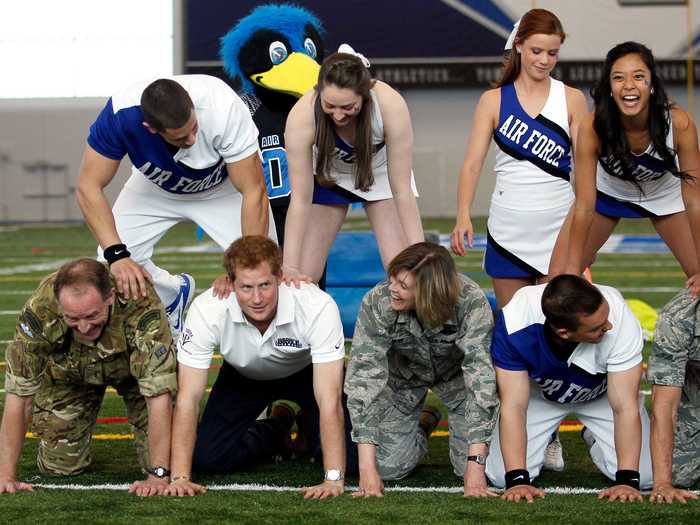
point(159, 472)
point(334, 474)
point(481, 460)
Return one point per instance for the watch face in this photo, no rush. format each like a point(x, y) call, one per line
point(159, 471)
point(334, 474)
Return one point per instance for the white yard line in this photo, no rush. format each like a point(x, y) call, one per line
point(26, 268)
point(254, 487)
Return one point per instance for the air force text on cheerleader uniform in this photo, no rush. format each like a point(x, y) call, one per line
point(531, 140)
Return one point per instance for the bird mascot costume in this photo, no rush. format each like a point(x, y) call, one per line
point(274, 54)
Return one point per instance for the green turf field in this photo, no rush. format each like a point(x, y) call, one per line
point(31, 252)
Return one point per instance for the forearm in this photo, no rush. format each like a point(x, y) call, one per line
point(628, 437)
point(468, 179)
point(15, 420)
point(409, 215)
point(580, 226)
point(512, 429)
point(184, 434)
point(254, 212)
point(332, 427)
point(662, 425)
point(295, 227)
point(98, 214)
point(367, 456)
point(159, 423)
point(693, 211)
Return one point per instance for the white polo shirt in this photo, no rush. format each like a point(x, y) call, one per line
point(307, 329)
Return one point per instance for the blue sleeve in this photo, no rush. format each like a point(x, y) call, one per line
point(503, 353)
point(106, 135)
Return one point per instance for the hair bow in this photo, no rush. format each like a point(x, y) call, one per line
point(511, 37)
point(345, 48)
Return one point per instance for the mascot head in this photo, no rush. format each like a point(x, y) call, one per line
point(277, 47)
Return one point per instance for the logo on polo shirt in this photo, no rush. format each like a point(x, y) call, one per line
point(288, 343)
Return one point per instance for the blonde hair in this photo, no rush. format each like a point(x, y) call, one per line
point(437, 281)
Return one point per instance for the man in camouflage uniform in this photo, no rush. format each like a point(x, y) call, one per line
point(397, 356)
point(674, 372)
point(74, 338)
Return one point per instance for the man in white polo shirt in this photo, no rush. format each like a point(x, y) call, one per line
point(277, 342)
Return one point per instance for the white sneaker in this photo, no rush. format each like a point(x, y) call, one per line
point(554, 455)
point(176, 310)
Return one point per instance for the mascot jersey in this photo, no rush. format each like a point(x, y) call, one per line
point(520, 343)
point(225, 134)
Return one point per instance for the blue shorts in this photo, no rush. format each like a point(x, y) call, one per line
point(334, 195)
point(499, 263)
point(612, 207)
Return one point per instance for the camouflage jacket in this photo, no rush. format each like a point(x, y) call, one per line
point(675, 355)
point(136, 342)
point(391, 349)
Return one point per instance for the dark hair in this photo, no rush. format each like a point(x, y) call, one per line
point(165, 104)
point(614, 147)
point(566, 297)
point(437, 282)
point(83, 272)
point(347, 72)
point(534, 22)
point(249, 252)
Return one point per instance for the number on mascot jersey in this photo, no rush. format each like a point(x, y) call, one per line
point(275, 168)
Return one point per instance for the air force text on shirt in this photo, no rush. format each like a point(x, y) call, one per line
point(532, 140)
point(185, 184)
point(562, 391)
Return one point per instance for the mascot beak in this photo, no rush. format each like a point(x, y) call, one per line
point(295, 76)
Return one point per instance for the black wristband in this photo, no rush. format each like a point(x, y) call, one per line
point(627, 477)
point(518, 476)
point(115, 252)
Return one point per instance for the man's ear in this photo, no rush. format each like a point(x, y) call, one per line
point(150, 128)
point(110, 298)
point(562, 333)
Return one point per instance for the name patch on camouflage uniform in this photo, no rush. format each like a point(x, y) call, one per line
point(147, 319)
point(161, 351)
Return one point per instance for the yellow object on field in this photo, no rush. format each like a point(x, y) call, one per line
point(646, 315)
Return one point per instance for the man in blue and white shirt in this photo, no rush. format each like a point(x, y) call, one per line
point(569, 346)
point(185, 136)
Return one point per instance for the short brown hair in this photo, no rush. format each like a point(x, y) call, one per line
point(568, 297)
point(165, 104)
point(437, 282)
point(83, 272)
point(251, 251)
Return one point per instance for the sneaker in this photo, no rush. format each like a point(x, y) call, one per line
point(554, 455)
point(176, 310)
point(587, 436)
point(429, 419)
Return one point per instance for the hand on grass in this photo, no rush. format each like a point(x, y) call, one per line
point(371, 485)
point(11, 485)
point(475, 485)
point(184, 487)
point(523, 492)
point(667, 493)
point(151, 486)
point(325, 490)
point(623, 493)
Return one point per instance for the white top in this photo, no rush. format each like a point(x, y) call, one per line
point(620, 348)
point(307, 329)
point(226, 134)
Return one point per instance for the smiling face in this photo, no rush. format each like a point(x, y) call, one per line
point(85, 311)
point(403, 291)
point(256, 290)
point(630, 85)
point(539, 54)
point(341, 104)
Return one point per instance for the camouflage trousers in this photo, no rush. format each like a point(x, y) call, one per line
point(401, 442)
point(686, 448)
point(64, 418)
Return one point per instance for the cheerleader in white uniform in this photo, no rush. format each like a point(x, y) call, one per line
point(349, 140)
point(533, 120)
point(637, 158)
